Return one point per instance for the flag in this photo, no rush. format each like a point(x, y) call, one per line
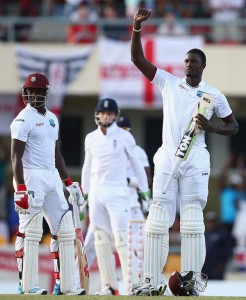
point(61, 68)
point(120, 78)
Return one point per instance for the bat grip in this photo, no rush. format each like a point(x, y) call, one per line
point(170, 177)
point(167, 184)
point(76, 215)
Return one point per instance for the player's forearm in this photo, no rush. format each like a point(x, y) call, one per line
point(137, 53)
point(61, 167)
point(142, 178)
point(230, 128)
point(17, 168)
point(85, 178)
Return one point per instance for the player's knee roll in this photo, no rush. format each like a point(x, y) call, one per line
point(34, 229)
point(191, 219)
point(101, 237)
point(66, 231)
point(120, 239)
point(158, 219)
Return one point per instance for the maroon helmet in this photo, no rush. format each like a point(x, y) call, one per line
point(35, 81)
point(187, 283)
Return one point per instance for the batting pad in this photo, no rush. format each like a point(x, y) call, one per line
point(193, 247)
point(66, 238)
point(33, 235)
point(121, 247)
point(156, 245)
point(105, 259)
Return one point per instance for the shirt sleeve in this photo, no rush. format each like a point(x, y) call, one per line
point(86, 169)
point(222, 107)
point(161, 78)
point(20, 128)
point(143, 157)
point(136, 164)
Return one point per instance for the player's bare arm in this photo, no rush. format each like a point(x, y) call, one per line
point(137, 54)
point(17, 150)
point(60, 163)
point(149, 176)
point(228, 127)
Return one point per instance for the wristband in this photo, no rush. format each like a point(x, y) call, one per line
point(68, 181)
point(21, 187)
point(136, 30)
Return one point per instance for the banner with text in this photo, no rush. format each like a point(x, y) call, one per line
point(121, 80)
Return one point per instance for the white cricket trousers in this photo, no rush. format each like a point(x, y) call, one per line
point(48, 197)
point(189, 185)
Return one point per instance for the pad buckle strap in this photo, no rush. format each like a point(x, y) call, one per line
point(22, 235)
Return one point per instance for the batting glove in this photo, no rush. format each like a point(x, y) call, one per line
point(75, 191)
point(147, 200)
point(23, 199)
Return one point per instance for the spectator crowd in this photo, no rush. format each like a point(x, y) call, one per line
point(218, 21)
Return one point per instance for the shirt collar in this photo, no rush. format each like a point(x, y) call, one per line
point(34, 109)
point(200, 85)
point(110, 129)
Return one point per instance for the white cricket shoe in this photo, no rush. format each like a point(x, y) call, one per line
point(108, 291)
point(36, 290)
point(75, 291)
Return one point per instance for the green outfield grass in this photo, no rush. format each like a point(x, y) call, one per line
point(91, 297)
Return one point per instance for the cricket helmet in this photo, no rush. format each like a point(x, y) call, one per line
point(124, 122)
point(35, 81)
point(106, 105)
point(187, 283)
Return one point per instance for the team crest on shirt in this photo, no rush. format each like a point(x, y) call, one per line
point(199, 93)
point(52, 122)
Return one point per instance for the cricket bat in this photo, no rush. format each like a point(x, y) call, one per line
point(80, 246)
point(190, 135)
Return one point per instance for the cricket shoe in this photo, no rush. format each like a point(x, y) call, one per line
point(36, 290)
point(108, 291)
point(73, 292)
point(147, 289)
point(57, 290)
point(20, 291)
point(76, 292)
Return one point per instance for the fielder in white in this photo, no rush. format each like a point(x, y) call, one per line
point(136, 210)
point(180, 97)
point(104, 179)
point(38, 168)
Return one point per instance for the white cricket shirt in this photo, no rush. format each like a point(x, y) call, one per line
point(130, 174)
point(40, 133)
point(143, 159)
point(106, 159)
point(179, 102)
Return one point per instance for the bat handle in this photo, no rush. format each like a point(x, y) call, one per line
point(167, 184)
point(170, 177)
point(76, 214)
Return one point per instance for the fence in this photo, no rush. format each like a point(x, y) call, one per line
point(57, 29)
